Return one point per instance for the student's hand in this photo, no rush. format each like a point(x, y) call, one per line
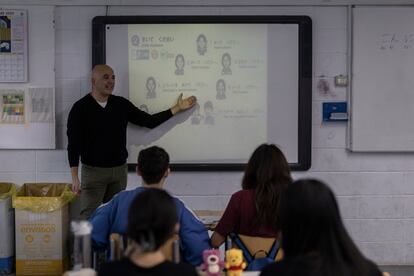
point(183, 104)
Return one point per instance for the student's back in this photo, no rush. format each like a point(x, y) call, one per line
point(314, 239)
point(252, 210)
point(306, 266)
point(125, 267)
point(147, 233)
point(153, 165)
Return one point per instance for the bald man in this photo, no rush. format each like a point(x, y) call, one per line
point(96, 131)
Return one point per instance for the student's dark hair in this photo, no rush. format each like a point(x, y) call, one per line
point(268, 173)
point(152, 218)
point(311, 225)
point(153, 162)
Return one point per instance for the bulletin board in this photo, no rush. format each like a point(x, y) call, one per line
point(27, 78)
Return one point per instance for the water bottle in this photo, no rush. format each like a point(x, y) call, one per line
point(82, 250)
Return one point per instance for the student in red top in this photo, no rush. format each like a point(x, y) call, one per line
point(252, 210)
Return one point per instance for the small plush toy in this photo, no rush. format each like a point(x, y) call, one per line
point(211, 262)
point(234, 262)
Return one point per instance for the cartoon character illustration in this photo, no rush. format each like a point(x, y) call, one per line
point(221, 89)
point(226, 62)
point(211, 262)
point(201, 44)
point(179, 64)
point(209, 116)
point(196, 117)
point(234, 262)
point(151, 85)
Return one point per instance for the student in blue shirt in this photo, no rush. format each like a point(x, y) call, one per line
point(153, 167)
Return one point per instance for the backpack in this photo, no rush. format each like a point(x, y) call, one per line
point(253, 263)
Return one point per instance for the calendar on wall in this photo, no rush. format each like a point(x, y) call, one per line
point(13, 45)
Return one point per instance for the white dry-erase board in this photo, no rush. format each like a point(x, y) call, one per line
point(382, 94)
point(251, 75)
point(27, 109)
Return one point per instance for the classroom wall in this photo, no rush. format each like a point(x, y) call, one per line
point(375, 191)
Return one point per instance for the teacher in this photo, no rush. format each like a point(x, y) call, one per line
point(96, 130)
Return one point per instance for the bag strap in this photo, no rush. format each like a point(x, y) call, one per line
point(236, 239)
point(274, 249)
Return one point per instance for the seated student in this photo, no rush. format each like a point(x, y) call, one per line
point(152, 221)
point(153, 167)
point(314, 240)
point(252, 210)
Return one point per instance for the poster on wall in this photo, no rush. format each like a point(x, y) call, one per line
point(12, 106)
point(13, 45)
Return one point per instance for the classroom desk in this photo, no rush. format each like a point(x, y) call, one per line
point(210, 218)
point(245, 273)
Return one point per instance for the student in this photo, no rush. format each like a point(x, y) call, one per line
point(153, 167)
point(314, 240)
point(252, 210)
point(152, 221)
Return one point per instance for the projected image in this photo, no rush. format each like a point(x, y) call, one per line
point(201, 44)
point(144, 108)
point(135, 40)
point(208, 111)
point(221, 89)
point(179, 64)
point(226, 62)
point(151, 85)
point(245, 78)
point(196, 117)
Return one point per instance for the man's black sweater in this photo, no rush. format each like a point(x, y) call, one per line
point(98, 135)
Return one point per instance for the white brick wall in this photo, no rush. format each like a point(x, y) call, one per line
point(375, 191)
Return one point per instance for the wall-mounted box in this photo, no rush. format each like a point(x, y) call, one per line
point(335, 112)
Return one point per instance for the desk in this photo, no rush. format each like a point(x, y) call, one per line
point(245, 273)
point(210, 218)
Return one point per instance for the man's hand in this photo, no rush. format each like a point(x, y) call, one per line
point(75, 180)
point(183, 104)
point(76, 185)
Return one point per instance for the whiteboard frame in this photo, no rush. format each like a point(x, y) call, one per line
point(304, 75)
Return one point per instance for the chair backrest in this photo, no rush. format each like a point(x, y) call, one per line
point(171, 249)
point(117, 247)
point(118, 244)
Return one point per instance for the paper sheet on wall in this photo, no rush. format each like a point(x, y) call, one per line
point(41, 108)
point(13, 45)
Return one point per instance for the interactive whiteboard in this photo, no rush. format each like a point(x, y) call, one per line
point(251, 76)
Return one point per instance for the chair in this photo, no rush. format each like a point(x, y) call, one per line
point(257, 246)
point(118, 244)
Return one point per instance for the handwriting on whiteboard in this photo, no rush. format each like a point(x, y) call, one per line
point(396, 41)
